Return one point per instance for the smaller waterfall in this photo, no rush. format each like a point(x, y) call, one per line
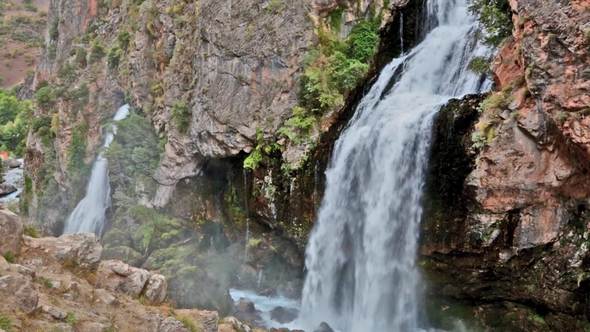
point(90, 213)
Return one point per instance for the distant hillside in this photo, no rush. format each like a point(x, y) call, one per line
point(22, 28)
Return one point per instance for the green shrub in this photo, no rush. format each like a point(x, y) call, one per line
point(10, 107)
point(182, 116)
point(495, 16)
point(263, 149)
point(54, 30)
point(337, 66)
point(347, 71)
point(479, 140)
point(31, 231)
point(15, 115)
point(188, 324)
point(364, 39)
point(335, 18)
point(78, 96)
point(133, 158)
point(298, 125)
point(45, 97)
point(40, 122)
point(77, 149)
point(47, 283)
point(67, 73)
point(275, 6)
point(5, 323)
point(498, 100)
point(114, 57)
point(479, 65)
point(71, 318)
point(96, 52)
point(253, 160)
point(156, 230)
point(80, 57)
point(9, 257)
point(123, 39)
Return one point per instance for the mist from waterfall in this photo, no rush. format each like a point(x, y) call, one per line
point(89, 216)
point(361, 257)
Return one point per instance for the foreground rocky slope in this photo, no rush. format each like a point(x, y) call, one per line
point(507, 222)
point(62, 284)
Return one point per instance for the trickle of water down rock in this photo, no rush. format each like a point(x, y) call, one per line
point(90, 213)
point(361, 257)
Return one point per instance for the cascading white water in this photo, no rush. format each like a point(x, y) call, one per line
point(90, 213)
point(361, 257)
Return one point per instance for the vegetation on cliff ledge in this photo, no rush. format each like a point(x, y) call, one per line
point(494, 15)
point(331, 70)
point(14, 122)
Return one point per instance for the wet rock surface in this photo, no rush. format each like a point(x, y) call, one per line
point(324, 327)
point(6, 189)
point(506, 221)
point(283, 315)
point(246, 311)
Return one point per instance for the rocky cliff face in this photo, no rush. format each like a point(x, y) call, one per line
point(507, 222)
point(214, 82)
point(210, 83)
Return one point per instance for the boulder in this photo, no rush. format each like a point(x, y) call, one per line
point(12, 163)
point(172, 324)
point(230, 324)
point(6, 189)
point(54, 312)
point(156, 289)
point(117, 276)
point(208, 320)
point(246, 306)
point(21, 288)
point(283, 315)
point(324, 327)
point(120, 277)
point(105, 297)
point(11, 232)
point(77, 250)
point(246, 311)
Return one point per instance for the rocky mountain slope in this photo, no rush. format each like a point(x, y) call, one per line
point(22, 28)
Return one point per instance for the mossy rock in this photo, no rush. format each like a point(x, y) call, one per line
point(117, 237)
point(126, 254)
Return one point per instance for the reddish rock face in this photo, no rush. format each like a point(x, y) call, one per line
point(539, 159)
point(509, 223)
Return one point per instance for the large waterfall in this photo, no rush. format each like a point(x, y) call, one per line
point(361, 257)
point(89, 215)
